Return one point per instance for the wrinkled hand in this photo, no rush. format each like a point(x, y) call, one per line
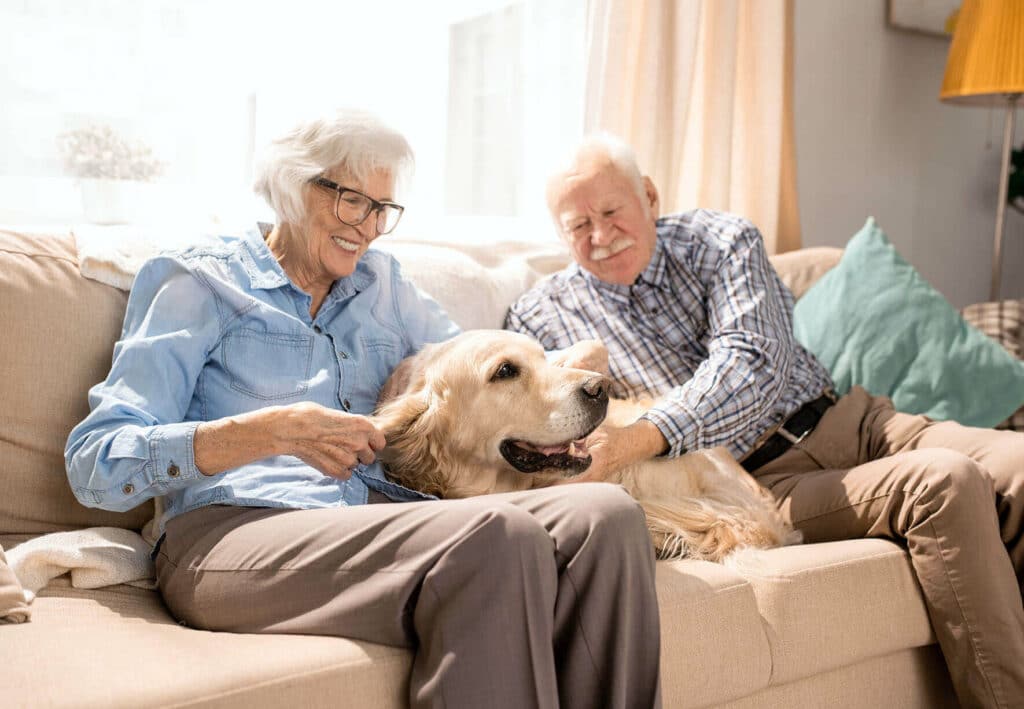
point(591, 355)
point(612, 449)
point(331, 441)
point(602, 446)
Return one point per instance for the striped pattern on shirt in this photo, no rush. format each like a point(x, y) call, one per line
point(707, 328)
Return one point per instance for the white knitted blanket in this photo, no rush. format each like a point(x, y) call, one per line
point(95, 557)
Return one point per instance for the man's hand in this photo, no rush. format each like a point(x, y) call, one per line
point(591, 355)
point(613, 449)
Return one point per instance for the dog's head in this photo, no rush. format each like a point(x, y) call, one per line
point(485, 411)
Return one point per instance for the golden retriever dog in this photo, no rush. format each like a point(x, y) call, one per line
point(486, 412)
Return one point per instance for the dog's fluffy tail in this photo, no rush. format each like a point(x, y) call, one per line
point(695, 529)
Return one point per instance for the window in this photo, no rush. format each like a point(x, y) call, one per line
point(186, 91)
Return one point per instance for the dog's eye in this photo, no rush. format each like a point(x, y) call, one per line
point(507, 370)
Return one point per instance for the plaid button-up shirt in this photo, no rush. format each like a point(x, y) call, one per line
point(707, 328)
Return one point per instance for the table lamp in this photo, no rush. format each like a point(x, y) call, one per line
point(986, 68)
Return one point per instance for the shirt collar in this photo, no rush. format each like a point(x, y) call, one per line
point(654, 273)
point(263, 268)
point(612, 291)
point(265, 272)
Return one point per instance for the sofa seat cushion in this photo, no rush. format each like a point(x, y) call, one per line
point(710, 626)
point(782, 616)
point(118, 647)
point(103, 639)
point(834, 604)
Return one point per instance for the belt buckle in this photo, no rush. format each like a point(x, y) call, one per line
point(793, 440)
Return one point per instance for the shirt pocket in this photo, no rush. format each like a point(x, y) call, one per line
point(268, 365)
point(379, 354)
point(374, 346)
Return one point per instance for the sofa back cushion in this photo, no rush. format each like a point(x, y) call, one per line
point(475, 284)
point(801, 269)
point(873, 321)
point(58, 333)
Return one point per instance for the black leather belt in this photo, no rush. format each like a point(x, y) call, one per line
point(793, 430)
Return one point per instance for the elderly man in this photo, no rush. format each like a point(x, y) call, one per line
point(691, 311)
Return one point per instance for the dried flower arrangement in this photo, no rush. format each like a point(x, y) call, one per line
point(98, 151)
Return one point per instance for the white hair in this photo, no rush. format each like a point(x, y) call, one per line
point(618, 152)
point(356, 141)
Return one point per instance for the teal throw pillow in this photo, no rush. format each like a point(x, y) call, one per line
point(874, 321)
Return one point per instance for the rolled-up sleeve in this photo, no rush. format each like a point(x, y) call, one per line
point(135, 443)
point(750, 353)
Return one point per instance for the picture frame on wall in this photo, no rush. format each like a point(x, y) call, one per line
point(931, 17)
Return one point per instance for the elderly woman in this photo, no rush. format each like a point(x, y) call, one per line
point(240, 391)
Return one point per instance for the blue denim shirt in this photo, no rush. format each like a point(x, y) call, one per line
point(216, 331)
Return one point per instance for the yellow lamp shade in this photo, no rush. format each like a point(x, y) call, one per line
point(986, 57)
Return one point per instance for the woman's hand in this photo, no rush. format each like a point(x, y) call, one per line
point(331, 441)
point(591, 355)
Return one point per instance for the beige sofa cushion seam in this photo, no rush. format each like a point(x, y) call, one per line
point(399, 657)
point(702, 600)
point(838, 564)
point(73, 262)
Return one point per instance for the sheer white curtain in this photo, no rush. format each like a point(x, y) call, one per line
point(483, 89)
point(703, 91)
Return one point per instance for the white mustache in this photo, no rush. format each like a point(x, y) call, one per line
point(600, 253)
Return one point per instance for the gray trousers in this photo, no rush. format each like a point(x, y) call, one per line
point(535, 599)
point(953, 495)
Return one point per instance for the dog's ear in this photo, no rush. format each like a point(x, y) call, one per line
point(412, 419)
point(399, 413)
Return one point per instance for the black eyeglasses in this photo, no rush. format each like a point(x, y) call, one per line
point(352, 207)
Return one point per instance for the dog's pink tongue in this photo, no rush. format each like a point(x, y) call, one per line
point(552, 450)
point(545, 450)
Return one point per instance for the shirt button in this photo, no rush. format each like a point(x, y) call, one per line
point(128, 489)
point(173, 471)
point(346, 405)
point(343, 355)
point(317, 329)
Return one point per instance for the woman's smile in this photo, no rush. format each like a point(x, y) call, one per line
point(346, 244)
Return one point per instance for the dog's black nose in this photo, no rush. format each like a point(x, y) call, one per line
point(596, 388)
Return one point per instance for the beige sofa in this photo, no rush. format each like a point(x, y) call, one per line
point(825, 625)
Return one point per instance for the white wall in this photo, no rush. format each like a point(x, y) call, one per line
point(872, 138)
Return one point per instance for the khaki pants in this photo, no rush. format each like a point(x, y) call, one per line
point(953, 495)
point(533, 599)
